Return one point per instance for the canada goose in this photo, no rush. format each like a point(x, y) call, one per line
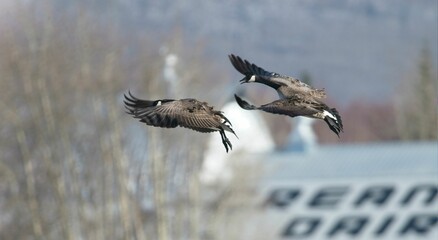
point(188, 113)
point(286, 86)
point(300, 105)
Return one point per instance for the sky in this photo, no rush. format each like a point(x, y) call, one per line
point(358, 50)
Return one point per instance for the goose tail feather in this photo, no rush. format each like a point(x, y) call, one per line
point(335, 124)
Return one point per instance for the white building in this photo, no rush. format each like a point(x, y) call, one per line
point(385, 191)
point(254, 137)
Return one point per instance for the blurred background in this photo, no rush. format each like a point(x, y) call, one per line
point(75, 166)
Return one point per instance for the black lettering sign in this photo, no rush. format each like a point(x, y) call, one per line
point(430, 190)
point(283, 197)
point(351, 225)
point(328, 198)
point(378, 195)
point(384, 225)
point(419, 224)
point(301, 227)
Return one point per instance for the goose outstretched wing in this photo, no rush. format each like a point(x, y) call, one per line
point(170, 113)
point(291, 107)
point(285, 85)
point(300, 106)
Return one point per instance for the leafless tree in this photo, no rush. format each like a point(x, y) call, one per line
point(417, 101)
point(73, 164)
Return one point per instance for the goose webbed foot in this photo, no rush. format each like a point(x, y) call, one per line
point(226, 141)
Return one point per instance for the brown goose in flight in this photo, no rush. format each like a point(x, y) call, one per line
point(188, 113)
point(286, 86)
point(300, 105)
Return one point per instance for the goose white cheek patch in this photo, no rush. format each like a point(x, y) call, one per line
point(252, 79)
point(158, 103)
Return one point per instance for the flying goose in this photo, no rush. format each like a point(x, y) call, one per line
point(188, 113)
point(300, 105)
point(286, 86)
